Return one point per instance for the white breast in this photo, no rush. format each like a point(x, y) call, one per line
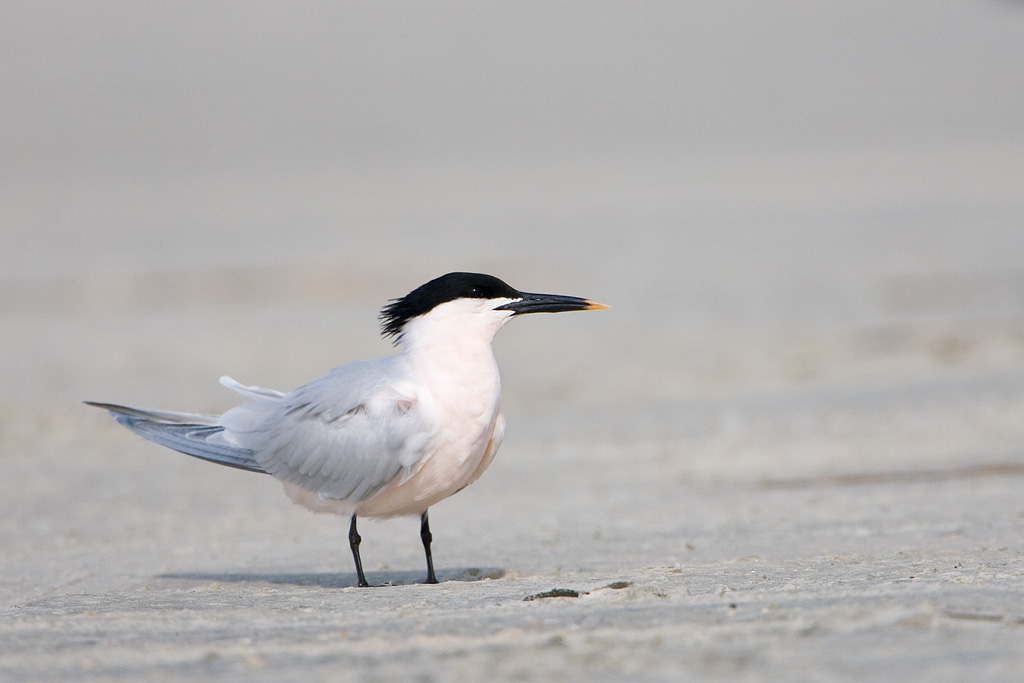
point(448, 376)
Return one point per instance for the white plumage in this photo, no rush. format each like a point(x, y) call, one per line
point(376, 438)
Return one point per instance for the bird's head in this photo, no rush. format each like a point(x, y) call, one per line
point(470, 304)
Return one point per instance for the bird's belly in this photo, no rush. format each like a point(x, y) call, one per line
point(449, 469)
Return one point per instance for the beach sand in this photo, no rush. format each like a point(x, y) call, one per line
point(793, 449)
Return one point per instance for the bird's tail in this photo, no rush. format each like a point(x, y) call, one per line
point(197, 435)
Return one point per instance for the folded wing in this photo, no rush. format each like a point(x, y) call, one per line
point(345, 436)
point(193, 434)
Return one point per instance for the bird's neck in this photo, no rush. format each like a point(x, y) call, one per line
point(458, 370)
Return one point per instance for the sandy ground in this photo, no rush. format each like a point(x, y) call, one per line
point(792, 450)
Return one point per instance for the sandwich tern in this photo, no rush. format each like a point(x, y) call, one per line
point(376, 438)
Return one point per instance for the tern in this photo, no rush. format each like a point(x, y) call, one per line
point(377, 438)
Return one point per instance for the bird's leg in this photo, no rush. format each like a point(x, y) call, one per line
point(354, 539)
point(426, 537)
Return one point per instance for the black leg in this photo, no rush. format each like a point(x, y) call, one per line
point(353, 542)
point(427, 538)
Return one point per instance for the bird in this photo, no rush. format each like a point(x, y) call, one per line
point(379, 438)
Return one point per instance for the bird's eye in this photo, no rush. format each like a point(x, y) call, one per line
point(475, 293)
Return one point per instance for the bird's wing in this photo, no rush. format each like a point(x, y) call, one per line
point(193, 434)
point(158, 415)
point(345, 436)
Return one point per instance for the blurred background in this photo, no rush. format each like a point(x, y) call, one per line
point(808, 218)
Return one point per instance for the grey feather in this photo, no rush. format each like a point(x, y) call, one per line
point(158, 415)
point(197, 439)
point(345, 436)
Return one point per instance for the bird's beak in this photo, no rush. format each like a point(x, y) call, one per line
point(548, 303)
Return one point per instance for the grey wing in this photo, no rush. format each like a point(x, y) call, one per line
point(345, 436)
point(193, 434)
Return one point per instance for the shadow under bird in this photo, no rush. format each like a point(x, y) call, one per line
point(377, 438)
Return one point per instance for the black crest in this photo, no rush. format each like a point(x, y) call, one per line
point(438, 291)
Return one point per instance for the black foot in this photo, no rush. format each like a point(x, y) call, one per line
point(354, 539)
point(426, 537)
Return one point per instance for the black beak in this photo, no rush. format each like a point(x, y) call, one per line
point(548, 303)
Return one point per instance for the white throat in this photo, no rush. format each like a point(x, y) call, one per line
point(451, 348)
